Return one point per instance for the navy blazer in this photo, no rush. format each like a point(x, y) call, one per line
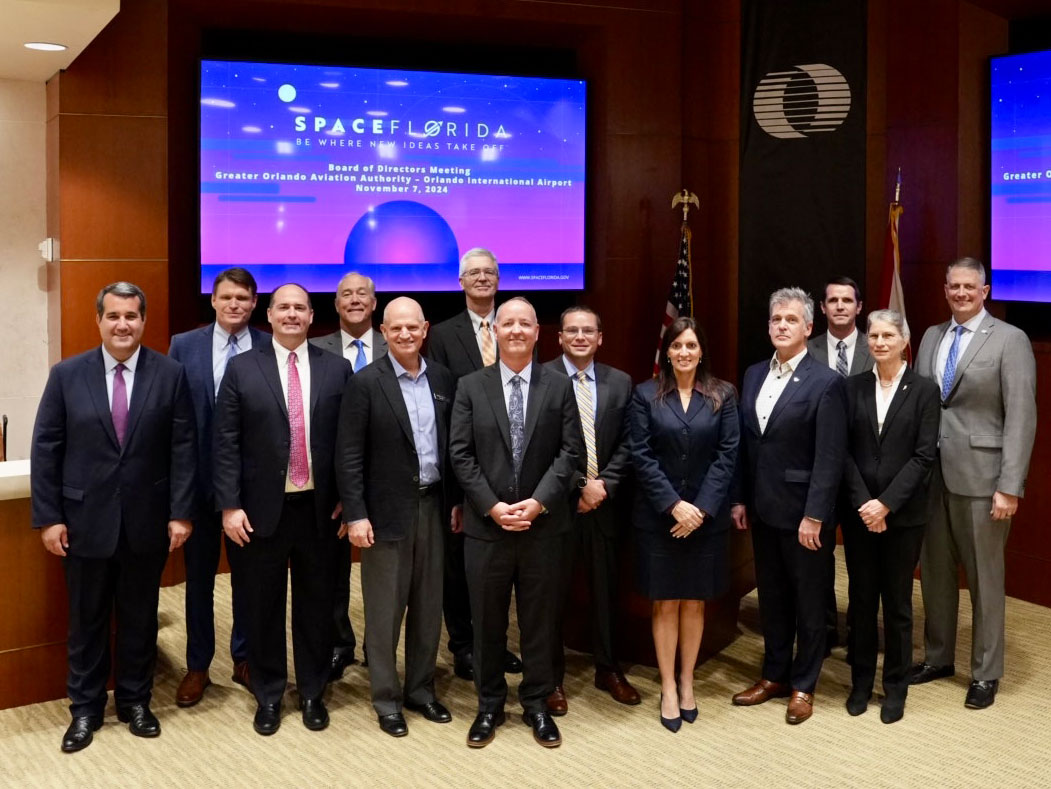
point(194, 350)
point(682, 455)
point(793, 469)
point(82, 477)
point(252, 437)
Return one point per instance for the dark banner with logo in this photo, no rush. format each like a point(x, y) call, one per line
point(802, 198)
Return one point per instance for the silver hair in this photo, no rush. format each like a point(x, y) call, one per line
point(893, 317)
point(368, 282)
point(973, 264)
point(124, 290)
point(786, 295)
point(478, 251)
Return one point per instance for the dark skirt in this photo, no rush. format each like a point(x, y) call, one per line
point(690, 568)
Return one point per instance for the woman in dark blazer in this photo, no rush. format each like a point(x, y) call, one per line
point(684, 436)
point(893, 432)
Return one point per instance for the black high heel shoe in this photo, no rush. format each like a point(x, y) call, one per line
point(673, 724)
point(688, 715)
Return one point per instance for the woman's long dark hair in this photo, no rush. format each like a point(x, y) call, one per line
point(713, 389)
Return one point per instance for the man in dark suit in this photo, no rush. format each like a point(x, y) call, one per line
point(986, 372)
point(114, 462)
point(274, 471)
point(204, 352)
point(846, 351)
point(463, 344)
point(391, 468)
point(602, 394)
point(793, 445)
point(516, 447)
point(360, 344)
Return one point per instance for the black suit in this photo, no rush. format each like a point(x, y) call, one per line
point(496, 559)
point(894, 466)
point(596, 532)
point(378, 470)
point(792, 470)
point(251, 458)
point(116, 501)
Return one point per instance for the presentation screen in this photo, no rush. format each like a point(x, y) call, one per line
point(309, 172)
point(1021, 177)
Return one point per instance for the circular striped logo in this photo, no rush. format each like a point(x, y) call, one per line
point(802, 101)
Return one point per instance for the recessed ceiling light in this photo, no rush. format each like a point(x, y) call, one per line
point(44, 46)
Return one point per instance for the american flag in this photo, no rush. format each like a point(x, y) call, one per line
point(891, 291)
point(680, 295)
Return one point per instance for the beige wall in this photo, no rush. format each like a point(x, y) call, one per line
point(23, 214)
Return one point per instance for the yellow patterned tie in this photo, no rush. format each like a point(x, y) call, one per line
point(488, 351)
point(586, 407)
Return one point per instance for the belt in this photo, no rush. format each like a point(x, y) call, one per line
point(430, 490)
point(299, 495)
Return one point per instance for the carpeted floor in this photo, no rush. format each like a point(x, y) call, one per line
point(939, 743)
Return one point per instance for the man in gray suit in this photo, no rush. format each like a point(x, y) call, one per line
point(360, 344)
point(987, 376)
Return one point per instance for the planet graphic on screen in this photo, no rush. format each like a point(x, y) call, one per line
point(401, 232)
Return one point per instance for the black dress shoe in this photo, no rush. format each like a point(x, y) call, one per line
point(893, 709)
point(80, 732)
point(315, 716)
point(545, 731)
point(141, 722)
point(858, 700)
point(394, 724)
point(340, 661)
point(434, 711)
point(463, 666)
point(925, 672)
point(981, 693)
point(267, 719)
point(512, 665)
point(483, 729)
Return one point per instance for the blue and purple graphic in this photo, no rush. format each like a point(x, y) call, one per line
point(309, 172)
point(1021, 177)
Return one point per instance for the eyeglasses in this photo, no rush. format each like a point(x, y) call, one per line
point(478, 273)
point(587, 331)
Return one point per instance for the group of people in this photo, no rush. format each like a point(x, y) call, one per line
point(469, 471)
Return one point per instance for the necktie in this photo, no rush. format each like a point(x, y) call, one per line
point(298, 466)
point(488, 351)
point(516, 416)
point(231, 351)
point(841, 358)
point(950, 363)
point(119, 406)
point(360, 360)
point(586, 406)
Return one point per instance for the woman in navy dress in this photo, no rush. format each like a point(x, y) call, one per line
point(684, 436)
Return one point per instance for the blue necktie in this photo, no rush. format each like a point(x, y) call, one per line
point(950, 363)
point(516, 415)
point(359, 361)
point(231, 351)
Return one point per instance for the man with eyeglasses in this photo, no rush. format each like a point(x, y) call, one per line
point(464, 343)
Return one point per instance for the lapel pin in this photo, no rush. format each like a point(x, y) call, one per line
point(796, 380)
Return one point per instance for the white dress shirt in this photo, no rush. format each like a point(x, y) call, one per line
point(350, 350)
point(970, 327)
point(476, 325)
point(885, 396)
point(303, 367)
point(506, 374)
point(129, 373)
point(776, 382)
point(833, 352)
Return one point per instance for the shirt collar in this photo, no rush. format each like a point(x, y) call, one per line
point(849, 340)
point(399, 371)
point(476, 319)
point(302, 353)
point(789, 366)
point(506, 373)
point(348, 338)
point(129, 364)
point(897, 376)
point(972, 324)
point(572, 369)
point(222, 334)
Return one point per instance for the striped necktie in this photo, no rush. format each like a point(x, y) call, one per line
point(488, 351)
point(586, 406)
point(950, 363)
point(841, 358)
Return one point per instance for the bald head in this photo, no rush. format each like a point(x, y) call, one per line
point(517, 331)
point(404, 328)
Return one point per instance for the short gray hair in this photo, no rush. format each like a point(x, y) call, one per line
point(893, 317)
point(369, 283)
point(478, 252)
point(786, 295)
point(974, 264)
point(124, 290)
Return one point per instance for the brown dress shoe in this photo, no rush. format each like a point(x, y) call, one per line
point(557, 704)
point(761, 691)
point(800, 707)
point(191, 689)
point(241, 675)
point(618, 686)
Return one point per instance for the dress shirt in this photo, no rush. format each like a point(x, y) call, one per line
point(506, 374)
point(776, 381)
point(303, 367)
point(419, 402)
point(220, 350)
point(476, 325)
point(129, 373)
point(350, 351)
point(885, 396)
point(572, 370)
point(970, 327)
point(833, 352)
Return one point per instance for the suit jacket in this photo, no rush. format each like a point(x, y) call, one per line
point(612, 441)
point(793, 469)
point(453, 344)
point(689, 455)
point(988, 421)
point(480, 450)
point(892, 465)
point(194, 350)
point(333, 343)
point(377, 468)
point(82, 477)
point(861, 363)
point(251, 436)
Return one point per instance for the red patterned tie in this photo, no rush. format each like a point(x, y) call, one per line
point(298, 467)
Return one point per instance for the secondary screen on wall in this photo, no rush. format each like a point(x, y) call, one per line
point(309, 172)
point(1021, 177)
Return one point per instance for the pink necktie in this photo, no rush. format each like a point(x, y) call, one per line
point(298, 467)
point(119, 406)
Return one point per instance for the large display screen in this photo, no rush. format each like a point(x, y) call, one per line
point(309, 172)
point(1021, 177)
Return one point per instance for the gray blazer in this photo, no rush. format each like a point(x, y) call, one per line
point(988, 421)
point(861, 363)
point(333, 343)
